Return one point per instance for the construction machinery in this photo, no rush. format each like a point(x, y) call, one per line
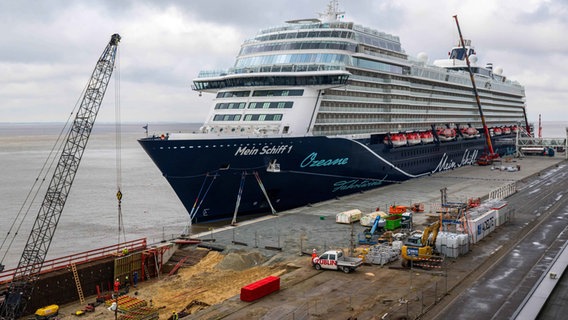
point(485, 159)
point(29, 267)
point(418, 250)
point(371, 235)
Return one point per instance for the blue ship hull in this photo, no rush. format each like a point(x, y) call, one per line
point(208, 175)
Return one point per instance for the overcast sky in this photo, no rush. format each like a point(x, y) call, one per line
point(49, 48)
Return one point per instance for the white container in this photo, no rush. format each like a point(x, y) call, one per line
point(483, 225)
point(452, 244)
point(368, 219)
point(349, 216)
point(463, 241)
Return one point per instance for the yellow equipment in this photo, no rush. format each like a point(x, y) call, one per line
point(47, 312)
point(419, 249)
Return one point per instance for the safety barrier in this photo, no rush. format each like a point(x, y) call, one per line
point(503, 192)
point(259, 289)
point(82, 257)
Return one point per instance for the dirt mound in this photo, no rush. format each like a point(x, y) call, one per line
point(214, 279)
point(241, 260)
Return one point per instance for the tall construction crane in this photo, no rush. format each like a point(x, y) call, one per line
point(484, 159)
point(35, 251)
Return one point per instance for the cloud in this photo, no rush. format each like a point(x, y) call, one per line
point(52, 47)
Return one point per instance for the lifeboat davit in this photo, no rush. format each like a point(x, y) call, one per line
point(447, 134)
point(397, 139)
point(413, 138)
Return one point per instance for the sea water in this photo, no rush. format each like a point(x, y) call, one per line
point(150, 209)
point(552, 129)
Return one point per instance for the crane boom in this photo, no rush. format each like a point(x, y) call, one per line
point(35, 251)
point(476, 93)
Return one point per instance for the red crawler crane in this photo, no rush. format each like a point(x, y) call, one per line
point(485, 159)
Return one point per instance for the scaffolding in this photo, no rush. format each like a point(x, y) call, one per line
point(527, 145)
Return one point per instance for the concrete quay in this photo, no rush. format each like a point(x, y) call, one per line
point(286, 228)
point(487, 282)
point(302, 229)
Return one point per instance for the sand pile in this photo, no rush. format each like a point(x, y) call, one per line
point(214, 279)
point(241, 260)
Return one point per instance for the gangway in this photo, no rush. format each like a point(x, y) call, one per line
point(530, 145)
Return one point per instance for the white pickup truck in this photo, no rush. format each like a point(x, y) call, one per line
point(335, 260)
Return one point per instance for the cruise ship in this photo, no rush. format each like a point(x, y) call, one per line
point(316, 109)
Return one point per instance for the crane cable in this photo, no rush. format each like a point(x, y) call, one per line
point(118, 138)
point(35, 189)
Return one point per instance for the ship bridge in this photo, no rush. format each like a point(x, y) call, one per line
point(318, 78)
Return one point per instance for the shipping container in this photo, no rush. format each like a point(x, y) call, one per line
point(393, 221)
point(482, 225)
point(349, 216)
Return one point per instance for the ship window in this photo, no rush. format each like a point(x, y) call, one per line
point(263, 117)
point(263, 93)
point(227, 117)
point(250, 62)
point(231, 94)
point(271, 105)
point(240, 105)
point(271, 81)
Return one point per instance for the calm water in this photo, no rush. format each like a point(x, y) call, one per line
point(553, 129)
point(90, 217)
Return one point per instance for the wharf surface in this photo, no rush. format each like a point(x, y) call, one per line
point(299, 230)
point(318, 220)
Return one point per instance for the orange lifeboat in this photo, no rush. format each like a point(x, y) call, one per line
point(469, 133)
point(506, 130)
point(397, 139)
point(497, 131)
point(426, 137)
point(447, 134)
point(412, 138)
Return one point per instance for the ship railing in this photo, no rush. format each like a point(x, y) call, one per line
point(83, 257)
point(304, 67)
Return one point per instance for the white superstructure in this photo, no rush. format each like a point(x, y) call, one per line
point(331, 77)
